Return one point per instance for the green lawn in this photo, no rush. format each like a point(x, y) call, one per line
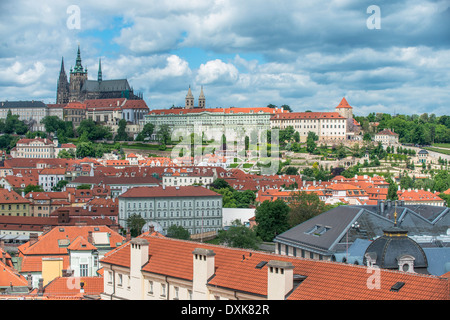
point(447, 152)
point(442, 145)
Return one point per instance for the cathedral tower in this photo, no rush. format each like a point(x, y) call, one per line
point(62, 89)
point(77, 78)
point(202, 100)
point(189, 101)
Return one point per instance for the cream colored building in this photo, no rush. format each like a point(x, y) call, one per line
point(32, 112)
point(131, 280)
point(328, 126)
point(213, 121)
point(386, 137)
point(39, 148)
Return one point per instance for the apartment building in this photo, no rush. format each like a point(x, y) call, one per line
point(173, 177)
point(158, 268)
point(195, 208)
point(49, 177)
point(66, 249)
point(13, 204)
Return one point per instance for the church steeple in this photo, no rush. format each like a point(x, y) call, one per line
point(202, 99)
point(189, 102)
point(62, 90)
point(99, 76)
point(78, 66)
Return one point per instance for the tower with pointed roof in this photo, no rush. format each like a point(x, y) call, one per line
point(344, 109)
point(62, 89)
point(189, 101)
point(202, 100)
point(99, 76)
point(78, 75)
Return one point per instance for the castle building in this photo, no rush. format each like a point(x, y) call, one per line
point(80, 88)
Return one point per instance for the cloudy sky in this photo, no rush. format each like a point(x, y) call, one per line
point(306, 54)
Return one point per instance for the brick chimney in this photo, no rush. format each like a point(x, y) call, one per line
point(280, 279)
point(33, 238)
point(41, 287)
point(128, 236)
point(4, 257)
point(30, 281)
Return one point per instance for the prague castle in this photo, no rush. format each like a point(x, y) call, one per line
point(79, 88)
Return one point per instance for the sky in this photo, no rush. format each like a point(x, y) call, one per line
point(382, 56)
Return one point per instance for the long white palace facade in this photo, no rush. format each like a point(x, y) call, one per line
point(334, 126)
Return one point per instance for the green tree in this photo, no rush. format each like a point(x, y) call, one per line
point(304, 206)
point(85, 149)
point(178, 232)
point(272, 219)
point(121, 131)
point(66, 154)
point(311, 142)
point(135, 222)
point(60, 185)
point(32, 188)
point(239, 236)
point(164, 134)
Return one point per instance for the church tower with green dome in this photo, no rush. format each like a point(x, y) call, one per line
point(77, 78)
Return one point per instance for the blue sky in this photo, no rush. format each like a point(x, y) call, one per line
point(307, 54)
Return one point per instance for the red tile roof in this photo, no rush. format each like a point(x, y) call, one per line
point(70, 286)
point(10, 277)
point(325, 280)
point(344, 104)
point(186, 191)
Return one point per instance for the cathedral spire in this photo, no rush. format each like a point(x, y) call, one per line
point(78, 66)
point(99, 77)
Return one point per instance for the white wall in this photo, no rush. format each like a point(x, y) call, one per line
point(231, 214)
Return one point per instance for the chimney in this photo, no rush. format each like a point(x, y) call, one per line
point(128, 236)
point(81, 287)
point(138, 257)
point(4, 257)
point(280, 279)
point(29, 281)
point(151, 229)
point(90, 237)
point(203, 269)
point(46, 229)
point(41, 287)
point(33, 238)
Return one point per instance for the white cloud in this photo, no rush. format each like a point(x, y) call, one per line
point(217, 71)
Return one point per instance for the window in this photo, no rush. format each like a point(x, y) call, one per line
point(150, 287)
point(163, 290)
point(83, 270)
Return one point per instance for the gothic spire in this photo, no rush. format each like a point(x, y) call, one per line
point(78, 67)
point(99, 77)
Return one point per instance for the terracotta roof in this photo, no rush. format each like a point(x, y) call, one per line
point(344, 104)
point(81, 244)
point(418, 195)
point(255, 110)
point(48, 244)
point(70, 286)
point(53, 171)
point(235, 269)
point(11, 197)
point(387, 132)
point(307, 115)
point(10, 277)
point(186, 191)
